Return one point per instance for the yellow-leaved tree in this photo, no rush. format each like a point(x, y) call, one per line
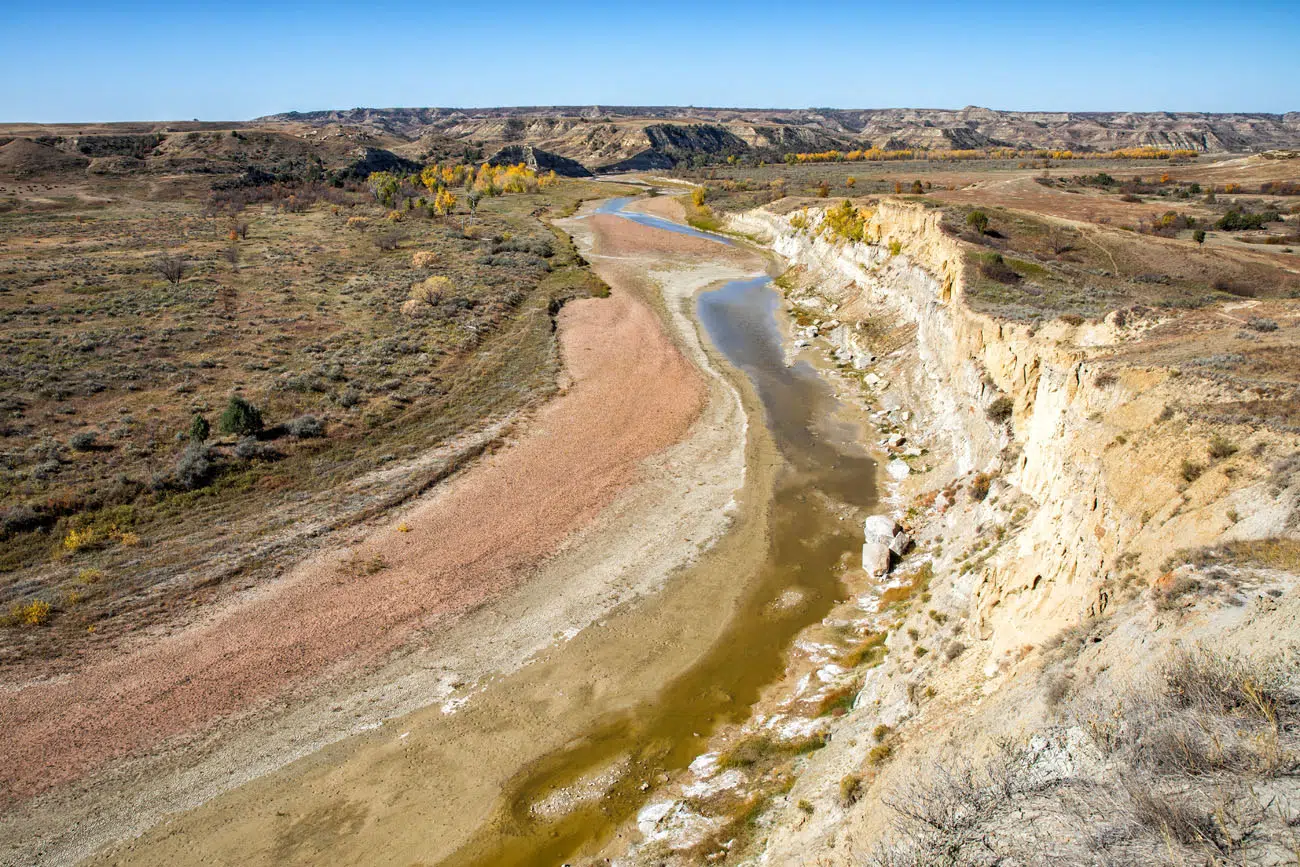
point(444, 202)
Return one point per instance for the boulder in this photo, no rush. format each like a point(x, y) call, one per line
point(900, 543)
point(898, 469)
point(880, 528)
point(875, 559)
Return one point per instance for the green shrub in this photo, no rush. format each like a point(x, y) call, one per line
point(240, 417)
point(199, 429)
point(1236, 221)
point(82, 441)
point(978, 220)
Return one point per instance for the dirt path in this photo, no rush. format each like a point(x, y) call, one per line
point(443, 583)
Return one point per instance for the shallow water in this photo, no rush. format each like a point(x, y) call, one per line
point(808, 546)
point(616, 207)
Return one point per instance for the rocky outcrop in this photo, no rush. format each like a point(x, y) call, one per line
point(1071, 444)
point(539, 161)
point(377, 160)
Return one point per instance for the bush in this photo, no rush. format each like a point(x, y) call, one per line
point(306, 427)
point(1258, 323)
point(199, 429)
point(389, 241)
point(82, 441)
point(250, 448)
point(978, 220)
point(170, 268)
point(194, 467)
point(1221, 448)
point(1236, 221)
point(850, 789)
point(1190, 471)
point(240, 417)
point(1000, 409)
point(34, 613)
point(995, 268)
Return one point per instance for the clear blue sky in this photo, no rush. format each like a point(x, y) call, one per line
point(232, 60)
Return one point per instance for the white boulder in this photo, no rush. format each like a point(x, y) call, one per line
point(879, 528)
point(875, 559)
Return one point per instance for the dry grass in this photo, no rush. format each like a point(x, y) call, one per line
point(763, 750)
point(1276, 552)
point(870, 649)
point(1199, 766)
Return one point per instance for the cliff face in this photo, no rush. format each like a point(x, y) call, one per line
point(1082, 442)
point(1032, 609)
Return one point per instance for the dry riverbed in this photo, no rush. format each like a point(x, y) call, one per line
point(629, 475)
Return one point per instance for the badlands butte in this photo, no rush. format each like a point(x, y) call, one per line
point(651, 486)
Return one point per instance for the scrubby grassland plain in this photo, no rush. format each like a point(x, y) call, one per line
point(294, 304)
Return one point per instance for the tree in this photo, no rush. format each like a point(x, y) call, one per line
point(170, 268)
point(383, 186)
point(240, 417)
point(199, 429)
point(918, 188)
point(1199, 236)
point(978, 220)
point(444, 202)
point(699, 196)
point(851, 181)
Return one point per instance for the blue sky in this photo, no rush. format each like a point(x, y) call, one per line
point(84, 61)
